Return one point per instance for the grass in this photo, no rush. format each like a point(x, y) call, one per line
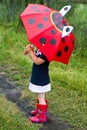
point(68, 98)
point(69, 83)
point(11, 118)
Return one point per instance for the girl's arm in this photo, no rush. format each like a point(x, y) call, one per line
point(35, 59)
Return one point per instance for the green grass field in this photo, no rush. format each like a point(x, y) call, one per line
point(68, 98)
point(12, 119)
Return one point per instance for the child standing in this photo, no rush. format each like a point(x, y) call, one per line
point(39, 83)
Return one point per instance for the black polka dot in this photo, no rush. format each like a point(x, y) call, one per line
point(66, 48)
point(53, 31)
point(53, 41)
point(71, 40)
point(42, 40)
point(45, 19)
point(46, 10)
point(63, 40)
point(34, 7)
point(59, 53)
point(37, 10)
point(55, 15)
point(31, 21)
point(60, 18)
point(40, 25)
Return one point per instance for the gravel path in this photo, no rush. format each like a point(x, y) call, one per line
point(13, 94)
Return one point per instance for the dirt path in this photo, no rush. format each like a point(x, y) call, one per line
point(13, 93)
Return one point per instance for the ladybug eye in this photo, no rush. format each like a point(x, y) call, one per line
point(66, 30)
point(65, 9)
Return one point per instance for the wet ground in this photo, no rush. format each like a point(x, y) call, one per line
point(13, 94)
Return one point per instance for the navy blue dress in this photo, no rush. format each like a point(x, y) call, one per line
point(40, 73)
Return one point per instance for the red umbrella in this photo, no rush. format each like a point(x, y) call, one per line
point(49, 31)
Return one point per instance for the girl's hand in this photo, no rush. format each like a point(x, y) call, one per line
point(29, 48)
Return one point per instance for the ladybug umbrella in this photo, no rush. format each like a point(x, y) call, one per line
point(49, 31)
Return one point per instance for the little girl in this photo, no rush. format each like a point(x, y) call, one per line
point(39, 83)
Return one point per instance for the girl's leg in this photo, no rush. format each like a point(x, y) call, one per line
point(41, 98)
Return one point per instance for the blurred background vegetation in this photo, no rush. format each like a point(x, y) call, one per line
point(10, 11)
point(68, 97)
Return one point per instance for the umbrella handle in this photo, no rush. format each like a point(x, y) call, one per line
point(31, 46)
point(25, 53)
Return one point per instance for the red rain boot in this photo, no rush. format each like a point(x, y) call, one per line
point(34, 112)
point(41, 115)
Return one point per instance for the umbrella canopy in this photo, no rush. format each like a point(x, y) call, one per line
point(49, 31)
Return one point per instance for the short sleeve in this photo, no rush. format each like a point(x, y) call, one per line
point(40, 55)
point(43, 57)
